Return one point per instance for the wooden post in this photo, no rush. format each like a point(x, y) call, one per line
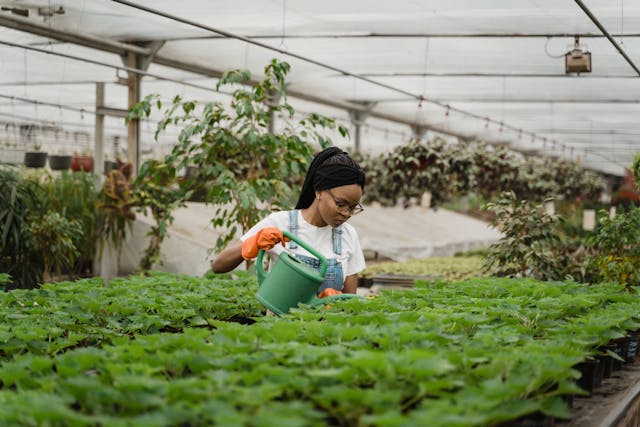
point(98, 148)
point(133, 152)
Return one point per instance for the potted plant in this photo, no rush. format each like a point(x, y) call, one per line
point(115, 206)
point(59, 162)
point(82, 162)
point(35, 158)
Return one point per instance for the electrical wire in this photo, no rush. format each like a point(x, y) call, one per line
point(546, 50)
point(49, 104)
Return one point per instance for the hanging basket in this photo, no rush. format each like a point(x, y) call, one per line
point(59, 162)
point(35, 159)
point(82, 163)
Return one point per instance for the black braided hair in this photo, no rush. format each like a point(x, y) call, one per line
point(330, 168)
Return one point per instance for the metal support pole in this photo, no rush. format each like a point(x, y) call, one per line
point(419, 132)
point(358, 118)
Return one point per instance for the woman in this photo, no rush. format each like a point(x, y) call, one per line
point(330, 195)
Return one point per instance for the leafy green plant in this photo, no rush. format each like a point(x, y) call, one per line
point(476, 353)
point(4, 279)
point(19, 199)
point(618, 243)
point(54, 235)
point(413, 169)
point(248, 170)
point(451, 170)
point(529, 235)
point(75, 197)
point(635, 169)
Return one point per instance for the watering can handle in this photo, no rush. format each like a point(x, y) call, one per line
point(323, 261)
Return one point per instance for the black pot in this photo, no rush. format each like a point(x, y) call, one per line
point(632, 350)
point(591, 374)
point(35, 159)
point(621, 349)
point(607, 365)
point(59, 163)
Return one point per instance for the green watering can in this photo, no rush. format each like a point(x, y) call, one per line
point(291, 282)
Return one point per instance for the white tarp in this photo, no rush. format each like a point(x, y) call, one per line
point(500, 59)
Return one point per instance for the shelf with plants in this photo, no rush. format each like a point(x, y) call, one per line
point(443, 268)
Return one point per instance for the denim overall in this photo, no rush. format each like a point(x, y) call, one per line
point(334, 277)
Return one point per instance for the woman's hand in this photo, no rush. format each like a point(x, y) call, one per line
point(328, 292)
point(264, 239)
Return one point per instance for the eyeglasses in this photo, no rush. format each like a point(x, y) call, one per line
point(344, 207)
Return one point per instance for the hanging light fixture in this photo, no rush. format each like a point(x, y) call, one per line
point(577, 60)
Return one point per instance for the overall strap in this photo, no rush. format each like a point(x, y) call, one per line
point(293, 227)
point(336, 239)
point(336, 233)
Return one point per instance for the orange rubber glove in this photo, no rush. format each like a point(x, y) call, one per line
point(328, 292)
point(264, 239)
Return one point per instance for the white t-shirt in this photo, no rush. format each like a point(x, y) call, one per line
point(319, 238)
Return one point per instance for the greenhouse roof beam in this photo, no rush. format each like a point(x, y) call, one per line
point(403, 35)
point(501, 75)
point(520, 101)
point(113, 112)
point(100, 43)
point(607, 35)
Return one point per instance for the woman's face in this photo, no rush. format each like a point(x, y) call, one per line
point(338, 204)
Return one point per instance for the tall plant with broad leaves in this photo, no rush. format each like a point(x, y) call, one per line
point(248, 169)
point(529, 235)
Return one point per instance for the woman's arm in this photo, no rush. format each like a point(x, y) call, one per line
point(228, 259)
point(350, 284)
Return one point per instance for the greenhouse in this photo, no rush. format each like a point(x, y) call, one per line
point(291, 213)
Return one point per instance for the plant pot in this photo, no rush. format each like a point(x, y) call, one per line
point(607, 363)
point(632, 349)
point(82, 163)
point(621, 347)
point(35, 159)
point(59, 163)
point(109, 165)
point(591, 374)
